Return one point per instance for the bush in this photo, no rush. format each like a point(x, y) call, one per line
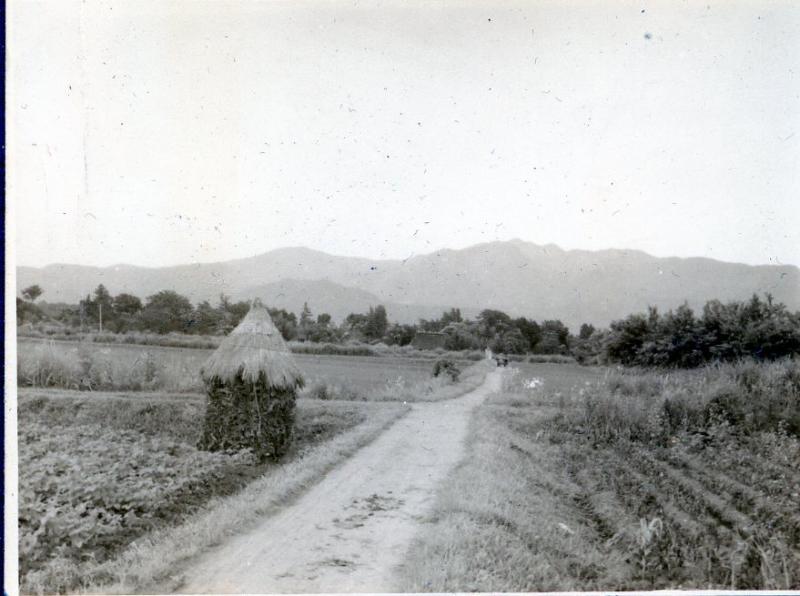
point(445, 366)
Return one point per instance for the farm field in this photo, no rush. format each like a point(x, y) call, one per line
point(623, 481)
point(127, 367)
point(99, 470)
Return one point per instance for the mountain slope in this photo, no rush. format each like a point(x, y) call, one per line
point(522, 278)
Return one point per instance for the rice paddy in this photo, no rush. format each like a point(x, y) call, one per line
point(125, 367)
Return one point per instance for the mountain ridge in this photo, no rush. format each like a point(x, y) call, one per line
point(522, 278)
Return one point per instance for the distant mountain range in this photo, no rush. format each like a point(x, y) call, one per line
point(521, 278)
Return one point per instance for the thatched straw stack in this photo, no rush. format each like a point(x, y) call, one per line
point(251, 380)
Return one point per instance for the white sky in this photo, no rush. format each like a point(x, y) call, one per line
point(165, 133)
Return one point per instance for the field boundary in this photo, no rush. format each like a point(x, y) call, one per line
point(304, 349)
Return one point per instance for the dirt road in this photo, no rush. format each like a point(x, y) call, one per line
point(351, 531)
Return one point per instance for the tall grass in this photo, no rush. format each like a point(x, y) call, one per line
point(652, 407)
point(49, 365)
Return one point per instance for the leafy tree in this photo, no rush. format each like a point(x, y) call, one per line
point(306, 328)
point(494, 320)
point(91, 306)
point(433, 325)
point(555, 338)
point(436, 325)
point(28, 312)
point(757, 328)
point(451, 316)
point(31, 293)
point(377, 323)
point(123, 314)
point(586, 331)
point(463, 336)
point(355, 325)
point(285, 321)
point(510, 341)
point(167, 311)
point(400, 335)
point(323, 330)
point(126, 304)
point(530, 330)
point(207, 320)
point(237, 311)
point(627, 338)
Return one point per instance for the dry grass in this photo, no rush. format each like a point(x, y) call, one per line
point(92, 367)
point(556, 495)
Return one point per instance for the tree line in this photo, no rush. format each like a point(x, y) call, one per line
point(170, 312)
point(757, 328)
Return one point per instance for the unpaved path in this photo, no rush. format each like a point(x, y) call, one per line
point(350, 532)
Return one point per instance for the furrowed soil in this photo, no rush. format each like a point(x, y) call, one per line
point(351, 532)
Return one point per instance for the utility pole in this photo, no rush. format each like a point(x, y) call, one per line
point(101, 317)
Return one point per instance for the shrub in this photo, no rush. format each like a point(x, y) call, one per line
point(445, 366)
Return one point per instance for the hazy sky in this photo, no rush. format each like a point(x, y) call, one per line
point(165, 133)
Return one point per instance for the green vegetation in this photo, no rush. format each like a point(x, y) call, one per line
point(169, 313)
point(635, 481)
point(126, 367)
point(98, 471)
point(101, 471)
point(445, 366)
point(759, 329)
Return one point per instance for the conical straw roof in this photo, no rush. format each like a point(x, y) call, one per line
point(254, 347)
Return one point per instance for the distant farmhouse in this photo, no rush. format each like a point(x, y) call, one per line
point(428, 340)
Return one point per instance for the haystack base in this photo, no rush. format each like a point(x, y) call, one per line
point(248, 415)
